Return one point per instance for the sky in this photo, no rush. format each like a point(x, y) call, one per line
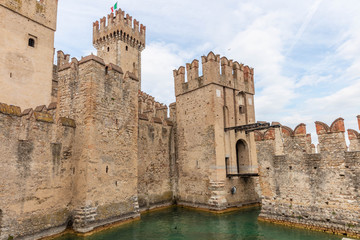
point(306, 54)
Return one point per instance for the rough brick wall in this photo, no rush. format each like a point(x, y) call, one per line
point(317, 190)
point(37, 171)
point(104, 103)
point(205, 106)
point(154, 164)
point(156, 154)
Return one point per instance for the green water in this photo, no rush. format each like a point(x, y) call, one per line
point(179, 223)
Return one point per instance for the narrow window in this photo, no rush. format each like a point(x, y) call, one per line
point(107, 169)
point(241, 109)
point(227, 165)
point(10, 75)
point(106, 70)
point(126, 48)
point(31, 42)
point(108, 49)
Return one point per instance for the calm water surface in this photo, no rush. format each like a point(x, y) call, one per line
point(179, 223)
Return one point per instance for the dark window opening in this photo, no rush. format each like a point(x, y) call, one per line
point(241, 109)
point(10, 75)
point(107, 169)
point(126, 48)
point(242, 157)
point(108, 49)
point(227, 165)
point(31, 42)
point(106, 70)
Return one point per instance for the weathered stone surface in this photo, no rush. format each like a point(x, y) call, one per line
point(104, 105)
point(124, 48)
point(26, 71)
point(10, 110)
point(156, 155)
point(43, 117)
point(114, 152)
point(319, 190)
point(36, 189)
point(205, 106)
point(67, 122)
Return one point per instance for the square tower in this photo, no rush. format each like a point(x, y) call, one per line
point(120, 41)
point(214, 156)
point(27, 51)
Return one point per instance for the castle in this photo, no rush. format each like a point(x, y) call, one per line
point(101, 151)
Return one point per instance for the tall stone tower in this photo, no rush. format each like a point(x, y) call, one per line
point(120, 41)
point(215, 152)
point(27, 51)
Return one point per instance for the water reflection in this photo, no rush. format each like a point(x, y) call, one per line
point(181, 224)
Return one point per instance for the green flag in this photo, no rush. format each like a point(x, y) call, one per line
point(114, 8)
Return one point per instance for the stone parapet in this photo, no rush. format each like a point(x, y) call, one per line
point(232, 75)
point(302, 187)
point(119, 26)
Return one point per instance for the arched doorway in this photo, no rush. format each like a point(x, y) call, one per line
point(242, 156)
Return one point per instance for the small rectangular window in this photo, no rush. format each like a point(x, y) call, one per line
point(241, 109)
point(32, 41)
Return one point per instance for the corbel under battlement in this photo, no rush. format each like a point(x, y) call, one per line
point(119, 26)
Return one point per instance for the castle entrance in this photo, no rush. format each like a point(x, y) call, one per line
point(242, 157)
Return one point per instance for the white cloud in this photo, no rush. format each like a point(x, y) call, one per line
point(306, 55)
point(158, 62)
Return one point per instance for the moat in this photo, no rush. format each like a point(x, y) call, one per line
point(179, 223)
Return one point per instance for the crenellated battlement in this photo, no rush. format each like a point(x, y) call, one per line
point(41, 11)
point(300, 185)
point(215, 70)
point(354, 138)
point(151, 110)
point(331, 138)
point(119, 26)
point(65, 63)
point(42, 113)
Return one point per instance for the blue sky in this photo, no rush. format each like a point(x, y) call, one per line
point(306, 54)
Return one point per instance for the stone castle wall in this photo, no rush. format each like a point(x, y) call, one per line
point(88, 160)
point(205, 106)
point(37, 171)
point(104, 150)
point(301, 187)
point(104, 103)
point(156, 157)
